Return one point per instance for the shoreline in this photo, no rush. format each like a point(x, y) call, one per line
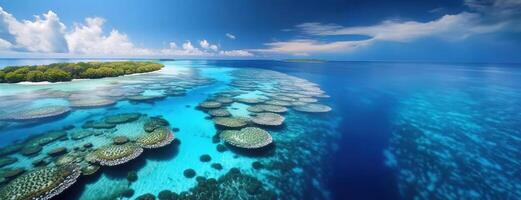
point(81, 79)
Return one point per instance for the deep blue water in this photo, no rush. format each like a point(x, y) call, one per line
point(411, 130)
point(367, 95)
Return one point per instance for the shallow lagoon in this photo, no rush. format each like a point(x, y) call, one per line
point(395, 131)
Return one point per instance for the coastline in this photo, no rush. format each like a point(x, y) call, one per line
point(83, 79)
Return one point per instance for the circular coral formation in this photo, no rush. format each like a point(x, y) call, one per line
point(268, 119)
point(189, 173)
point(278, 103)
point(89, 169)
point(146, 196)
point(11, 173)
point(46, 138)
point(98, 125)
point(122, 118)
point(249, 137)
point(313, 108)
point(111, 155)
point(78, 135)
point(37, 114)
point(210, 105)
point(224, 100)
point(147, 98)
point(219, 113)
point(31, 149)
point(255, 109)
point(221, 148)
point(257, 165)
point(91, 102)
point(57, 151)
point(230, 122)
point(158, 138)
point(67, 159)
point(10, 149)
point(307, 100)
point(7, 161)
point(249, 100)
point(153, 123)
point(268, 108)
point(205, 158)
point(283, 98)
point(217, 166)
point(41, 183)
point(120, 139)
point(132, 176)
point(165, 195)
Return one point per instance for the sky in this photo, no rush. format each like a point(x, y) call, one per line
point(359, 30)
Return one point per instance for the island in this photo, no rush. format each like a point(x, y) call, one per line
point(60, 72)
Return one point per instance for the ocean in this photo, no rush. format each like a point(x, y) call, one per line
point(328, 130)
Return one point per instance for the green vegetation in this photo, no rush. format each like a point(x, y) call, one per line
point(67, 71)
point(305, 60)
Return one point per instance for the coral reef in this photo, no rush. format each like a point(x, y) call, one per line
point(160, 137)
point(41, 183)
point(313, 108)
point(268, 119)
point(154, 122)
point(111, 155)
point(219, 113)
point(249, 137)
point(42, 113)
point(122, 118)
point(209, 105)
point(230, 122)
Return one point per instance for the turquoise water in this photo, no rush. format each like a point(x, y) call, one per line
point(394, 131)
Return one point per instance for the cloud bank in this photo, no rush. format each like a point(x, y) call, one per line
point(484, 16)
point(47, 34)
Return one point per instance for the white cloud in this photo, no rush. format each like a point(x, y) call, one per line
point(44, 34)
point(5, 44)
point(187, 49)
point(47, 35)
point(235, 53)
point(304, 47)
point(206, 45)
point(229, 35)
point(496, 8)
point(89, 39)
point(449, 26)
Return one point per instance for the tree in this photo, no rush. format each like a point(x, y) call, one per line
point(2, 75)
point(67, 71)
point(35, 76)
point(55, 75)
point(13, 77)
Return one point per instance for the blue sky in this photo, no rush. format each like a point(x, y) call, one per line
point(430, 30)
